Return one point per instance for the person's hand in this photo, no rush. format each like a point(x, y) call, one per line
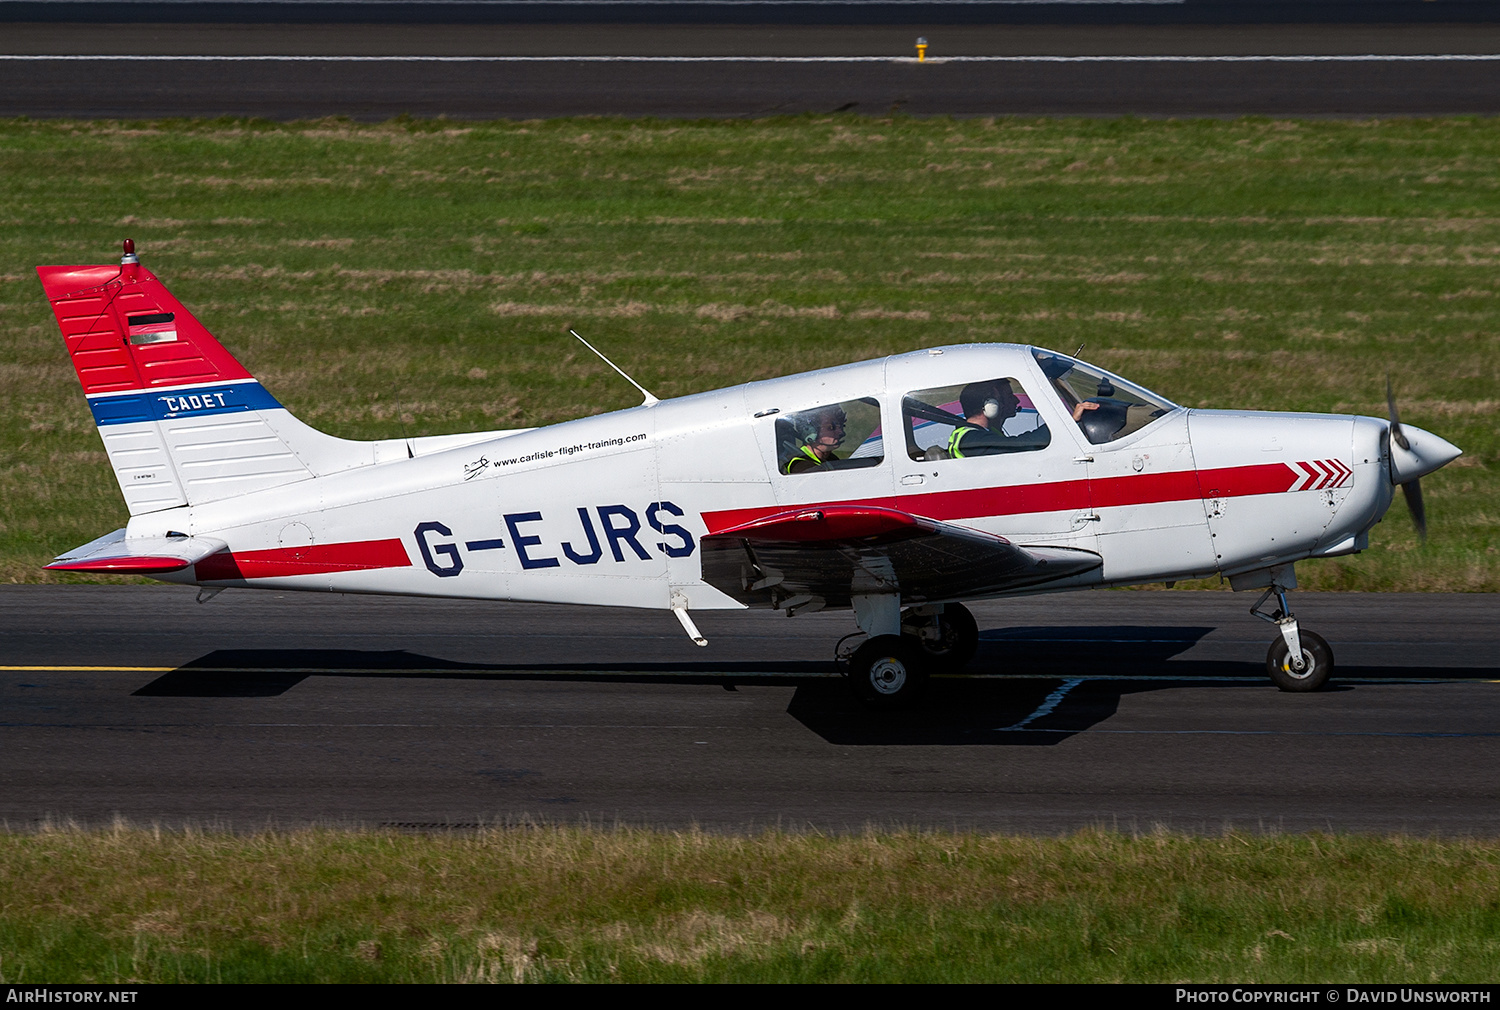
point(1085, 405)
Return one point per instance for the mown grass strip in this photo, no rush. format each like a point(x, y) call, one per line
point(419, 278)
point(533, 903)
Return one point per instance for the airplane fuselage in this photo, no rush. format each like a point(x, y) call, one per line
point(611, 509)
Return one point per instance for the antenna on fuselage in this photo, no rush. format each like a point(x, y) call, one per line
point(650, 400)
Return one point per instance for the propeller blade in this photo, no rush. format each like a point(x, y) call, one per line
point(1390, 402)
point(1412, 489)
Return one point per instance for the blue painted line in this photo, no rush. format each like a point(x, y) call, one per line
point(485, 545)
point(1413, 734)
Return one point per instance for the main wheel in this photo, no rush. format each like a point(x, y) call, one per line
point(949, 639)
point(888, 672)
point(1316, 655)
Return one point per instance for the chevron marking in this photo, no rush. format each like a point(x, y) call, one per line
point(1319, 475)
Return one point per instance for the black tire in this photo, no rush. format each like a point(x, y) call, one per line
point(957, 642)
point(888, 672)
point(1315, 653)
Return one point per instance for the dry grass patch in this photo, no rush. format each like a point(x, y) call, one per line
point(537, 903)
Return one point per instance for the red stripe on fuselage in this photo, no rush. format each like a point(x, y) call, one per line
point(315, 559)
point(1238, 481)
point(1057, 496)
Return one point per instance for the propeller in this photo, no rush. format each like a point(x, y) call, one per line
point(1412, 489)
point(1414, 452)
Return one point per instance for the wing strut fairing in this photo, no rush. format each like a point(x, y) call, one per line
point(832, 553)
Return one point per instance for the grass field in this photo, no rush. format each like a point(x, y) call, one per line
point(419, 277)
point(552, 904)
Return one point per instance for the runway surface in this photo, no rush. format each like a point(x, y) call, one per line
point(1125, 710)
point(374, 72)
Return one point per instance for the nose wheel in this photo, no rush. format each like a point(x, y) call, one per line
point(1316, 665)
point(1298, 660)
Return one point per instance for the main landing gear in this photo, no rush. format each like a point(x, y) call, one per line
point(889, 671)
point(947, 634)
point(1298, 660)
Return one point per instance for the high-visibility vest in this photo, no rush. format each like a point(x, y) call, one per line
point(803, 452)
point(958, 433)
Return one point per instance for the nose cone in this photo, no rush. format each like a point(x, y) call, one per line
point(1426, 453)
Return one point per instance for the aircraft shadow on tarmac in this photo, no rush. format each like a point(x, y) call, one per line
point(1046, 694)
point(265, 673)
point(1056, 682)
point(1025, 652)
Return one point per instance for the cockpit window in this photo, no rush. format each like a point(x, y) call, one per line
point(835, 436)
point(990, 417)
point(1105, 406)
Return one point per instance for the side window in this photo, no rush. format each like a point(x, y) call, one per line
point(984, 418)
point(835, 436)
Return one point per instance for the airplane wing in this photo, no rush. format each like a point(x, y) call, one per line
point(112, 554)
point(827, 554)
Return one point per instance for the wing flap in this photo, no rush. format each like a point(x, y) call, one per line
point(832, 553)
point(114, 554)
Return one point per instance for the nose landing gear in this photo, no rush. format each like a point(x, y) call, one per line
point(1298, 660)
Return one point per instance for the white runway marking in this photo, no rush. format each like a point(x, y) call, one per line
point(1048, 704)
point(707, 675)
point(1329, 58)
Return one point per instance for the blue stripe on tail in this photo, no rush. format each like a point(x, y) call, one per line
point(167, 404)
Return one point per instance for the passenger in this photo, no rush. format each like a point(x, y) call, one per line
point(987, 406)
point(819, 432)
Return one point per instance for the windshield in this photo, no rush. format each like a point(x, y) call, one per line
point(1105, 406)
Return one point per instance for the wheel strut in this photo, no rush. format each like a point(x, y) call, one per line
point(1285, 621)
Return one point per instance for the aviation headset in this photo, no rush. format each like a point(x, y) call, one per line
point(809, 424)
point(983, 398)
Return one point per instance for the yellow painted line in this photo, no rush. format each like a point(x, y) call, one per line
point(106, 669)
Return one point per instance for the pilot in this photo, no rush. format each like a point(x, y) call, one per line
point(819, 432)
point(987, 406)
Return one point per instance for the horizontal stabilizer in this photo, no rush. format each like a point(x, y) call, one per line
point(835, 552)
point(114, 554)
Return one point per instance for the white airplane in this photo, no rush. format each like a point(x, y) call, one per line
point(896, 487)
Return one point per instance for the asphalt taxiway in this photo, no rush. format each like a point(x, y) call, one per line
point(1121, 709)
point(524, 71)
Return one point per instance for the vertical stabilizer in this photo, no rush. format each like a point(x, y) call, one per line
point(183, 422)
